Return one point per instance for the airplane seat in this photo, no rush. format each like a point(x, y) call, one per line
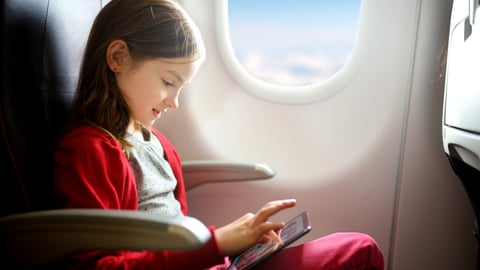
point(37, 86)
point(461, 110)
point(41, 49)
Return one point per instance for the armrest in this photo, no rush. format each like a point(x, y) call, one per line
point(38, 238)
point(197, 173)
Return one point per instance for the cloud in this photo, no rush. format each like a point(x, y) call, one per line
point(293, 68)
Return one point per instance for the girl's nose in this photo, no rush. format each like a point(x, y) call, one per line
point(172, 100)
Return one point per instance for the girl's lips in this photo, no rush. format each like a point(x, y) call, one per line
point(157, 113)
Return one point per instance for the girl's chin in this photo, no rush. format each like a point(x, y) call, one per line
point(149, 125)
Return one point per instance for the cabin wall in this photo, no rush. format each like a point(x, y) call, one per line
point(368, 158)
point(434, 220)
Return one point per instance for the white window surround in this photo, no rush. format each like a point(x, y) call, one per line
point(272, 92)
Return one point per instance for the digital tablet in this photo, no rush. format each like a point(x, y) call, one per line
point(293, 229)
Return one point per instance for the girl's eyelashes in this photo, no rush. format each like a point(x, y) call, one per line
point(167, 83)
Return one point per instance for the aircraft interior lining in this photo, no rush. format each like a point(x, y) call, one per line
point(370, 149)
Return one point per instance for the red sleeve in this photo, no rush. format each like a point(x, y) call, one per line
point(175, 162)
point(91, 171)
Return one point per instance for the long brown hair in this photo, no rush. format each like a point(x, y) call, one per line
point(151, 29)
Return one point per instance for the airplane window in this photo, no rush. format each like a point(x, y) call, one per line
point(292, 43)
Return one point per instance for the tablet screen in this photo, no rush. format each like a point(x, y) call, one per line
point(293, 229)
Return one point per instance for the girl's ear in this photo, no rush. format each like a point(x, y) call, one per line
point(117, 55)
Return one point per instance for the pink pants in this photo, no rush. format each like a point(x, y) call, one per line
point(338, 251)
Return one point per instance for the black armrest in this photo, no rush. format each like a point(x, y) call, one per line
point(38, 238)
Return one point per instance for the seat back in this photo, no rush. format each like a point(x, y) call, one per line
point(461, 125)
point(42, 47)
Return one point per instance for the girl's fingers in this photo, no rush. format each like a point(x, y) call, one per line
point(275, 237)
point(272, 208)
point(266, 228)
point(252, 228)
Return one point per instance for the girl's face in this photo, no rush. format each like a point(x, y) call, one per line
point(150, 87)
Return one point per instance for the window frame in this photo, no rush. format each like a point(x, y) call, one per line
point(283, 94)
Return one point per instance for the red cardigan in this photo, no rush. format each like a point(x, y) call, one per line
point(91, 171)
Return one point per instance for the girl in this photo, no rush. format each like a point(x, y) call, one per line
point(139, 55)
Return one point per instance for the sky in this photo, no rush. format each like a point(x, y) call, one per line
point(293, 42)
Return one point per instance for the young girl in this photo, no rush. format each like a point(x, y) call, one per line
point(139, 55)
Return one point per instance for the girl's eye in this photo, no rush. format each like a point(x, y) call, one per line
point(167, 83)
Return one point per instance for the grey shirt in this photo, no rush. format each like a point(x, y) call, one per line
point(154, 176)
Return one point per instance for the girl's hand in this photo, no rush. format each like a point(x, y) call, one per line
point(250, 229)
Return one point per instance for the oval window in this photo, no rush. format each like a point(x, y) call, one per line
point(292, 43)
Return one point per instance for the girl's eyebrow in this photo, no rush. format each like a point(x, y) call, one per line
point(178, 77)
